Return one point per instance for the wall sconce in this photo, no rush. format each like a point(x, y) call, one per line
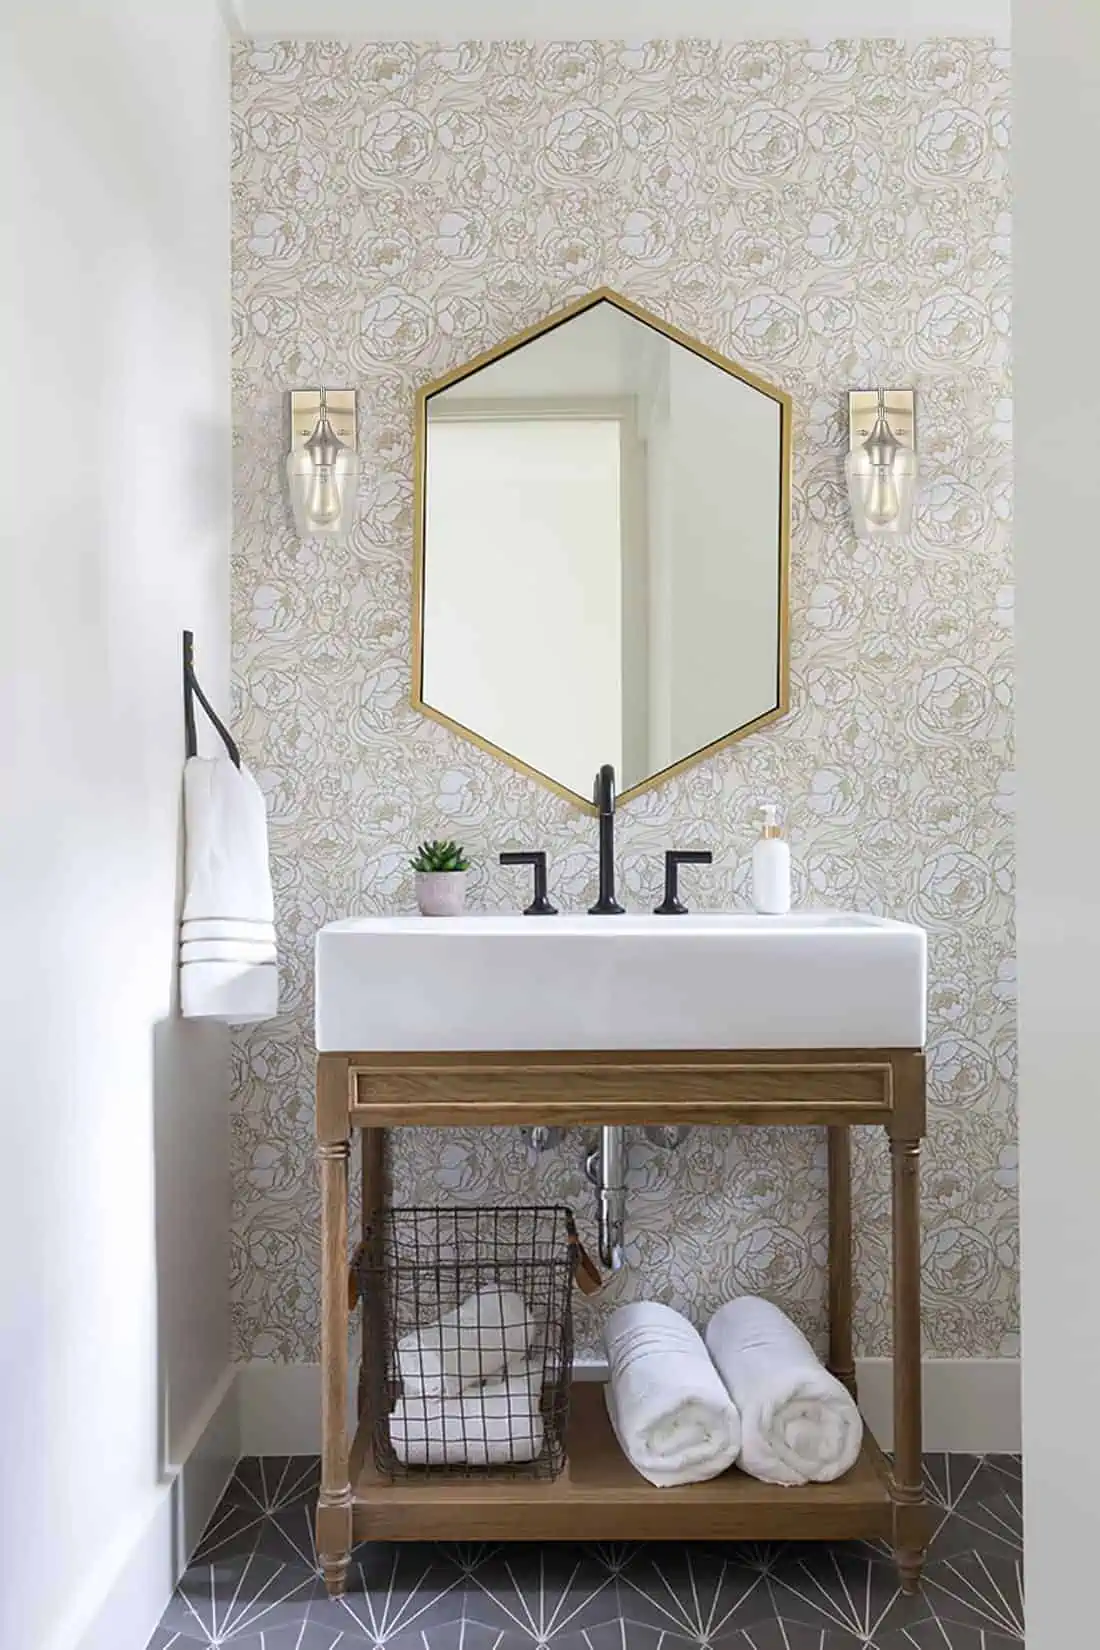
point(882, 459)
point(322, 467)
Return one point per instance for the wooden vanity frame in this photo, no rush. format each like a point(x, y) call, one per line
point(599, 1497)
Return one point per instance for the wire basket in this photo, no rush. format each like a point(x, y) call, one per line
point(469, 1345)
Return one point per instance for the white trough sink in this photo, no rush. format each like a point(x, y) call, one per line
point(707, 980)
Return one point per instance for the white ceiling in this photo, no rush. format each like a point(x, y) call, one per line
point(619, 19)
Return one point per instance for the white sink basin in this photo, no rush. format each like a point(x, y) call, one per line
point(814, 979)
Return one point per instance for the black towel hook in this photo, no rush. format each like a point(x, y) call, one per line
point(191, 692)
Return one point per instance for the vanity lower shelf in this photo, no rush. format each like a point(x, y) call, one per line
point(599, 1497)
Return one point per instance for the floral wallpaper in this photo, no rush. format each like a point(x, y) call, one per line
point(830, 215)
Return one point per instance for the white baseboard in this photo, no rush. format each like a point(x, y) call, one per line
point(971, 1405)
point(151, 1556)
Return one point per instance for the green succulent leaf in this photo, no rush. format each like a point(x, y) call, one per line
point(439, 856)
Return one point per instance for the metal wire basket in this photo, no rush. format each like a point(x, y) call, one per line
point(469, 1346)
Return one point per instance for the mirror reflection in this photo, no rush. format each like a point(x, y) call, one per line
point(602, 549)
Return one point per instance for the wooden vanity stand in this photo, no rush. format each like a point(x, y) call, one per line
point(599, 1497)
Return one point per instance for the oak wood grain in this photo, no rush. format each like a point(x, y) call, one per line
point(471, 1089)
point(333, 1151)
point(599, 1496)
point(841, 1359)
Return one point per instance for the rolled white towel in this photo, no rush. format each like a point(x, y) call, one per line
point(671, 1414)
point(486, 1426)
point(798, 1424)
point(473, 1343)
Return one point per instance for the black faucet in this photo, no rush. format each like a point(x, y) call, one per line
point(604, 797)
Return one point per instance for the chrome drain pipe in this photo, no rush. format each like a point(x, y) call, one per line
point(605, 1166)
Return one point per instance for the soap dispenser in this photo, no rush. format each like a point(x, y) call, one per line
point(771, 867)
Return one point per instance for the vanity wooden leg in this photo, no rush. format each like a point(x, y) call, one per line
point(333, 1151)
point(373, 1189)
point(910, 1513)
point(841, 1360)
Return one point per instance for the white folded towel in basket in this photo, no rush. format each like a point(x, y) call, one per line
point(672, 1416)
point(798, 1424)
point(493, 1425)
point(228, 968)
point(474, 1343)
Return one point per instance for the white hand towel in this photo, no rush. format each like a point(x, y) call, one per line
point(255, 951)
point(471, 1344)
point(671, 1414)
point(490, 1425)
point(228, 969)
point(227, 928)
point(798, 1424)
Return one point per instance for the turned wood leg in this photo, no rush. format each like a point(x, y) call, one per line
point(841, 1360)
point(373, 1187)
point(364, 1223)
point(910, 1519)
point(333, 1150)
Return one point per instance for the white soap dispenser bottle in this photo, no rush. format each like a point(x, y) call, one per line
point(771, 867)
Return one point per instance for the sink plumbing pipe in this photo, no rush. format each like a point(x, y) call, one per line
point(542, 1138)
point(605, 1166)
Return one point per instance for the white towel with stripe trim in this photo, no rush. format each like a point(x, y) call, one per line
point(228, 961)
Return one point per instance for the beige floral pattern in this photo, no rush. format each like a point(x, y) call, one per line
point(832, 215)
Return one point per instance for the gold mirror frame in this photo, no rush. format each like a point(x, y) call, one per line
point(602, 294)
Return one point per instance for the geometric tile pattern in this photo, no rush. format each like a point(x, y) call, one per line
point(254, 1585)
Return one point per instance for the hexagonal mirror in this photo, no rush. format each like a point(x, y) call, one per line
point(601, 560)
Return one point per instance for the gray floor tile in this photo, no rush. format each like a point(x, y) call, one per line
point(542, 1592)
point(268, 1482)
point(698, 1593)
point(977, 1590)
point(460, 1634)
point(288, 1535)
point(298, 1635)
point(229, 1598)
point(254, 1585)
point(1011, 1466)
point(623, 1634)
point(985, 1519)
point(392, 1590)
point(833, 1588)
point(945, 1635)
point(794, 1635)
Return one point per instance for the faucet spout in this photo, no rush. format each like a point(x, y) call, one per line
point(603, 796)
point(605, 1166)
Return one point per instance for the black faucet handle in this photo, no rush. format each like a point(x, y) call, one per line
point(674, 858)
point(540, 906)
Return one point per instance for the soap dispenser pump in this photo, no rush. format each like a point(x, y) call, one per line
point(771, 867)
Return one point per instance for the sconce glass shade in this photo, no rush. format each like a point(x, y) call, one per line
point(323, 476)
point(882, 479)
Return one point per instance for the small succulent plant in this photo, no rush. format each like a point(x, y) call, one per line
point(439, 856)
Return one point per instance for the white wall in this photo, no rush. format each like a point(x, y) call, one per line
point(113, 1169)
point(1058, 572)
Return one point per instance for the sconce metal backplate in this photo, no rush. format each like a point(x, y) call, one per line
point(900, 413)
point(305, 409)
